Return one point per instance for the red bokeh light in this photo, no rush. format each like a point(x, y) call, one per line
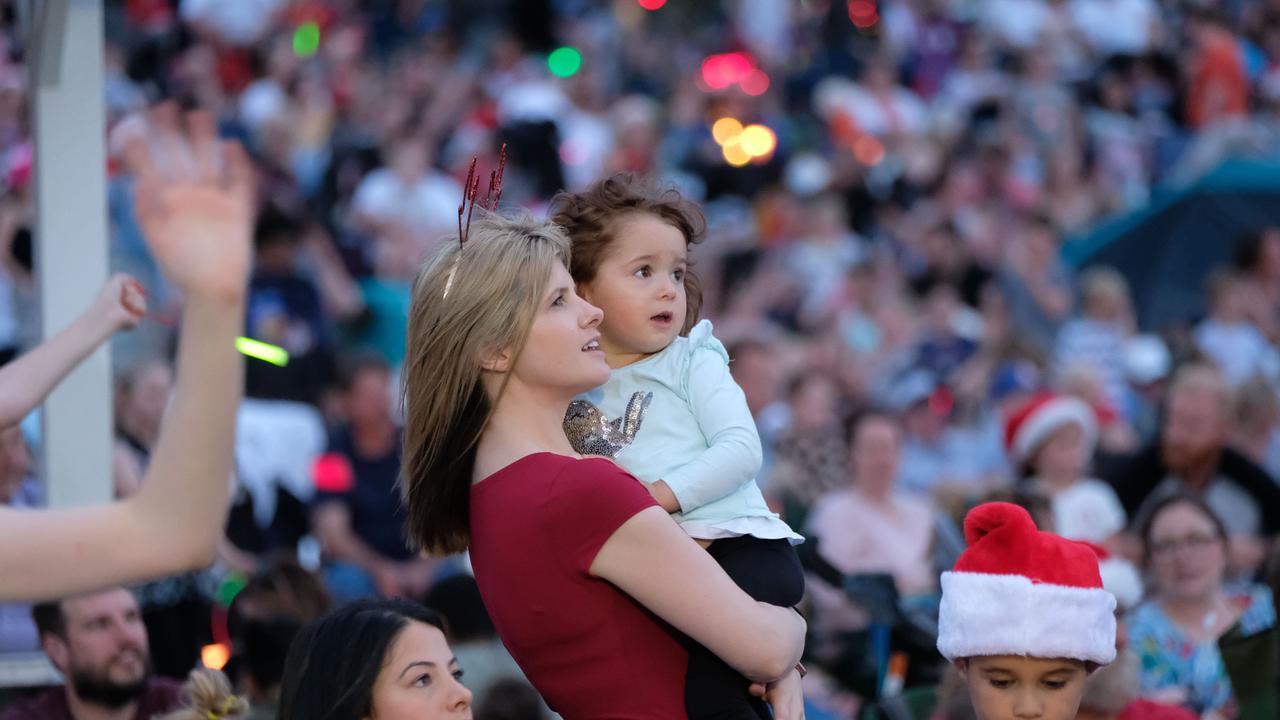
point(755, 83)
point(721, 71)
point(651, 4)
point(863, 13)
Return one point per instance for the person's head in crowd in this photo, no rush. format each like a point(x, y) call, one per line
point(99, 644)
point(758, 371)
point(364, 382)
point(814, 398)
point(1255, 407)
point(1228, 297)
point(15, 462)
point(385, 659)
point(457, 600)
point(1185, 549)
point(1105, 295)
point(1013, 383)
point(277, 237)
point(495, 318)
point(207, 695)
point(875, 449)
point(1197, 417)
point(1040, 241)
point(940, 245)
point(825, 217)
point(408, 155)
point(1051, 437)
point(142, 393)
point(1258, 253)
point(941, 300)
point(629, 236)
point(511, 699)
point(265, 617)
point(1024, 617)
point(922, 402)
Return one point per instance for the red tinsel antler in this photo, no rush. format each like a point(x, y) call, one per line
point(471, 188)
point(468, 206)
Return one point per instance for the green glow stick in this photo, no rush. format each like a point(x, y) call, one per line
point(273, 354)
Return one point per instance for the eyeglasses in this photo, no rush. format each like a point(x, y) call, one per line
point(1195, 541)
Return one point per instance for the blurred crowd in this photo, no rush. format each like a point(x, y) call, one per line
point(884, 263)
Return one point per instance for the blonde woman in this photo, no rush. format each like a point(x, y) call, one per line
point(589, 582)
point(207, 696)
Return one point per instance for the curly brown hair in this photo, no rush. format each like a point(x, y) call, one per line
point(592, 217)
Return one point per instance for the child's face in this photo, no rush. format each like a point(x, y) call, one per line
point(640, 288)
point(1063, 452)
point(1023, 688)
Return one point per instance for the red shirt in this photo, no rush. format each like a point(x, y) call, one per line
point(592, 651)
point(161, 695)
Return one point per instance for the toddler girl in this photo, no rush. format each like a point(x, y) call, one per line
point(696, 449)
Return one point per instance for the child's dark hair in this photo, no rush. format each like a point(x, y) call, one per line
point(591, 219)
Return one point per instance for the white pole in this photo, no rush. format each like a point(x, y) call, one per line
point(71, 236)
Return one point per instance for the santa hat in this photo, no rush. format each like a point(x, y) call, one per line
point(1019, 591)
point(1037, 419)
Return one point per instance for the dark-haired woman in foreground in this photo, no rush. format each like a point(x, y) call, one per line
point(383, 659)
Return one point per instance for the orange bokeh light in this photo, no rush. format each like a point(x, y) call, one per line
point(868, 150)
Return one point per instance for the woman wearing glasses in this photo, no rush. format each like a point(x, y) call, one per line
point(1176, 631)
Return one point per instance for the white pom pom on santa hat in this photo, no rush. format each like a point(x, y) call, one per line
point(1019, 591)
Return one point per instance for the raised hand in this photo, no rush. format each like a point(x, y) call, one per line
point(194, 200)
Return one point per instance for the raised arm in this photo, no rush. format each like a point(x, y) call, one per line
point(651, 559)
point(27, 381)
point(195, 206)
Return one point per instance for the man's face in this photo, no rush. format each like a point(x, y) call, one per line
point(1195, 427)
point(104, 651)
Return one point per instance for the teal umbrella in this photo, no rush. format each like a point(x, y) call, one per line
point(1168, 248)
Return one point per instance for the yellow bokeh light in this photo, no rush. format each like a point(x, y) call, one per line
point(725, 129)
point(758, 140)
point(215, 656)
point(735, 155)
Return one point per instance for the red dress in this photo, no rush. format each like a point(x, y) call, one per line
point(592, 651)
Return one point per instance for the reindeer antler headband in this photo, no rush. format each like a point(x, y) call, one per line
point(468, 205)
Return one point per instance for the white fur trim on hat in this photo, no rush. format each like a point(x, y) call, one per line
point(983, 615)
point(1049, 417)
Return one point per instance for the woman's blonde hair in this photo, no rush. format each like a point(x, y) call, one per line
point(494, 285)
point(207, 696)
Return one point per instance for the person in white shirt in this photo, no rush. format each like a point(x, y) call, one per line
point(407, 202)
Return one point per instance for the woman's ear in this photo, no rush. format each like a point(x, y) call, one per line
point(496, 361)
point(962, 666)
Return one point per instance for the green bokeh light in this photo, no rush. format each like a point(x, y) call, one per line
point(306, 39)
point(564, 62)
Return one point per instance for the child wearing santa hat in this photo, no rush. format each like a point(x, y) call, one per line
point(1024, 617)
point(1051, 438)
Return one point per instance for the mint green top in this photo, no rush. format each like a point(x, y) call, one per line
point(698, 436)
